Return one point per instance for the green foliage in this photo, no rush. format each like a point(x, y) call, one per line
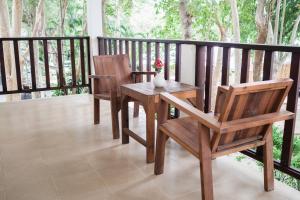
point(166, 23)
point(247, 20)
point(277, 147)
point(292, 12)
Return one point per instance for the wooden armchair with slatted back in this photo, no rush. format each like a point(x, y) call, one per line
point(243, 119)
point(111, 72)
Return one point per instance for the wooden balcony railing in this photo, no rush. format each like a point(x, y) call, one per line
point(203, 74)
point(82, 48)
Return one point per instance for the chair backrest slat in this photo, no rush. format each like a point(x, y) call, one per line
point(249, 100)
point(115, 65)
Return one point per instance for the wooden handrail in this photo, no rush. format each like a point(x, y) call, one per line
point(213, 43)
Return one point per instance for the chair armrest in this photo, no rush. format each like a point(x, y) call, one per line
point(205, 119)
point(251, 122)
point(111, 78)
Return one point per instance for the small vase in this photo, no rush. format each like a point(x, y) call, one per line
point(159, 80)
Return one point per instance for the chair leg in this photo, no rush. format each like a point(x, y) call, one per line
point(206, 179)
point(96, 111)
point(268, 164)
point(136, 109)
point(205, 163)
point(115, 120)
point(125, 122)
point(160, 152)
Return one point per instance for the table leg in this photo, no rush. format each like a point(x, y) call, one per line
point(150, 130)
point(125, 119)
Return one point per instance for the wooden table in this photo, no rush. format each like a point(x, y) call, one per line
point(148, 96)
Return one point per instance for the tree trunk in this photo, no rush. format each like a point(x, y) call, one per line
point(103, 17)
point(276, 25)
point(282, 22)
point(295, 30)
point(262, 31)
point(78, 68)
point(237, 38)
point(217, 69)
point(38, 30)
point(186, 19)
point(283, 58)
point(17, 18)
point(5, 31)
point(62, 17)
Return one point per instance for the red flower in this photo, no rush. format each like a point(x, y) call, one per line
point(158, 65)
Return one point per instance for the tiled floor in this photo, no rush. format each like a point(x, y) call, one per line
point(50, 150)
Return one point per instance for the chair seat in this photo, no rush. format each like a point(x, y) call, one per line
point(185, 132)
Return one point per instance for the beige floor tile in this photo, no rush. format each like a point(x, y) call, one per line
point(2, 194)
point(80, 184)
point(32, 190)
point(68, 167)
point(2, 181)
point(58, 153)
point(27, 172)
point(141, 189)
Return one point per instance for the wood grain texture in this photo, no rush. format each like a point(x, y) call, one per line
point(148, 96)
point(112, 71)
point(240, 110)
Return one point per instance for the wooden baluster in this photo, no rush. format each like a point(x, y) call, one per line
point(225, 66)
point(157, 50)
point(46, 61)
point(105, 46)
point(127, 47)
point(32, 64)
point(178, 62)
point(177, 70)
point(167, 61)
point(101, 48)
point(120, 46)
point(208, 80)
point(115, 47)
point(141, 64)
point(200, 74)
point(133, 55)
point(2, 68)
point(73, 62)
point(17, 64)
point(60, 64)
point(148, 60)
point(268, 65)
point(99, 45)
point(292, 102)
point(82, 63)
point(88, 41)
point(109, 47)
point(245, 65)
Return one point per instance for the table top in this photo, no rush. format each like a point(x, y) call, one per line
point(148, 88)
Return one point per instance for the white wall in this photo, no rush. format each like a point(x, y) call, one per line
point(94, 23)
point(188, 59)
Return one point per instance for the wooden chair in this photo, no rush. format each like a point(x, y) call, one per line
point(111, 72)
point(243, 119)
